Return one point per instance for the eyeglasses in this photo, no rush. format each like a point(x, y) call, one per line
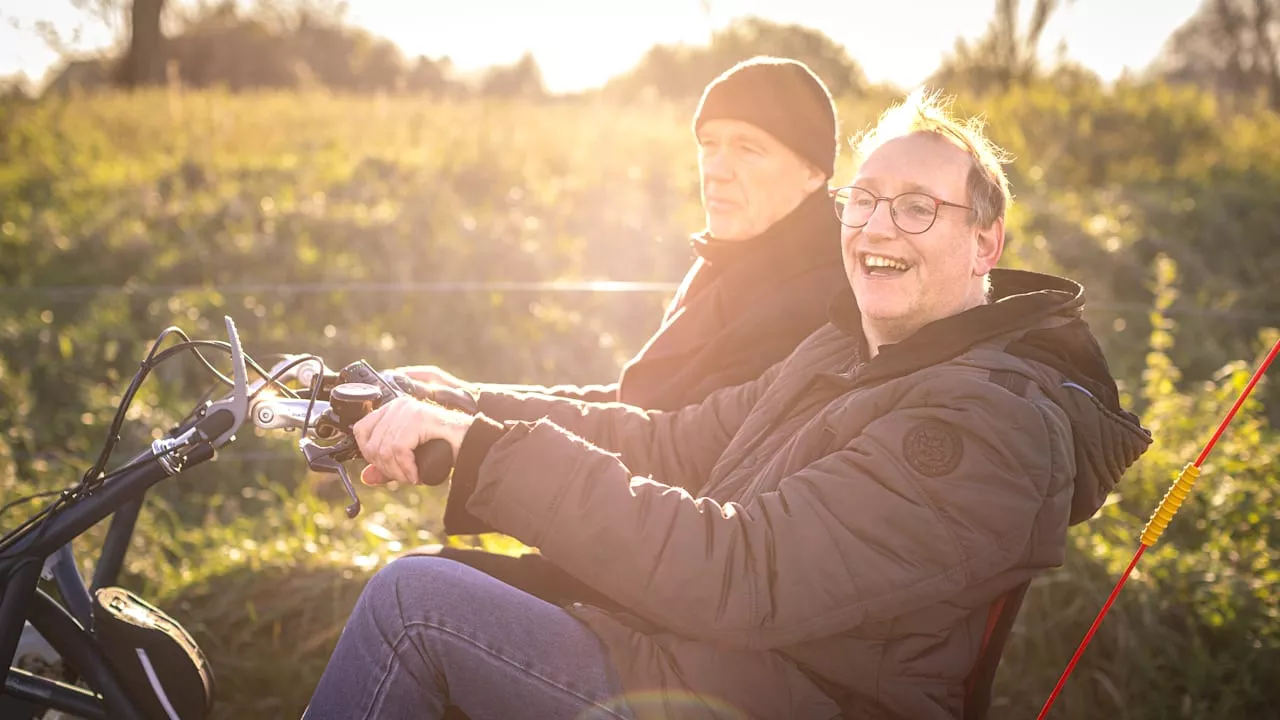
point(912, 212)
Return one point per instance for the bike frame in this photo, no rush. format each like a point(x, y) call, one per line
point(21, 600)
point(44, 549)
point(62, 565)
point(123, 520)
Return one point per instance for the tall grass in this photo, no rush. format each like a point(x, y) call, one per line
point(145, 209)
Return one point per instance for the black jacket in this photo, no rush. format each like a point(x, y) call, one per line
point(742, 307)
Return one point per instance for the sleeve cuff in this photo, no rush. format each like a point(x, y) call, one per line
point(483, 433)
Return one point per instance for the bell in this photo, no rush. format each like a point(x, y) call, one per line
point(351, 401)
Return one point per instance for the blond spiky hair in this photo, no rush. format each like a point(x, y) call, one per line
point(928, 111)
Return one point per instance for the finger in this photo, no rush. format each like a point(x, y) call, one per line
point(361, 430)
point(368, 429)
point(374, 450)
point(409, 436)
point(371, 475)
point(421, 373)
point(395, 430)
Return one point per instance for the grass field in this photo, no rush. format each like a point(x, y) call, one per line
point(141, 211)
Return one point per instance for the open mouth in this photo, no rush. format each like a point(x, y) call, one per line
point(877, 265)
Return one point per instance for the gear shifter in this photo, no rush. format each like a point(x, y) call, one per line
point(329, 460)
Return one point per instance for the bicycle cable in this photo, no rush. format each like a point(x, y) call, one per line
point(95, 476)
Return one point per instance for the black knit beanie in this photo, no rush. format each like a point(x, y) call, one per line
point(784, 98)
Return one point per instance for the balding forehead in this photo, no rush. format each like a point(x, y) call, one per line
point(942, 147)
point(896, 184)
point(922, 162)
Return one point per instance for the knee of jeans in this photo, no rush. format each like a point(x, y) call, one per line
point(412, 579)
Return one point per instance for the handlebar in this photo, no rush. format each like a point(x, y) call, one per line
point(334, 400)
point(333, 403)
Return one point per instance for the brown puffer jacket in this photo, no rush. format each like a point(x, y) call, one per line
point(742, 307)
point(825, 541)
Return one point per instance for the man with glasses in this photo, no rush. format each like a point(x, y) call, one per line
point(825, 541)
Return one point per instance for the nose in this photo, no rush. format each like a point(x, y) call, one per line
point(715, 166)
point(880, 225)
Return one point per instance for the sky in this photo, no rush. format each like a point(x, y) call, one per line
point(582, 43)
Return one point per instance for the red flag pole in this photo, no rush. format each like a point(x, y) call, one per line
point(1159, 521)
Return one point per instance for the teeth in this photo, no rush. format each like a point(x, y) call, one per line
point(884, 262)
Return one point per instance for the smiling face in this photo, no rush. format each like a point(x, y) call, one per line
point(904, 281)
point(750, 180)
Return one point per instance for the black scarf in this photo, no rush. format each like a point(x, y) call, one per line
point(788, 235)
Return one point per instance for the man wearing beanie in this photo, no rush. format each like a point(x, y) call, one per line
point(766, 266)
point(768, 260)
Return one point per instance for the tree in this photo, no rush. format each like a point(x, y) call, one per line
point(523, 79)
point(1228, 47)
point(681, 72)
point(15, 87)
point(1004, 56)
point(430, 76)
point(143, 62)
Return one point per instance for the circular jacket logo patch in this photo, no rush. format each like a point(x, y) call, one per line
point(933, 448)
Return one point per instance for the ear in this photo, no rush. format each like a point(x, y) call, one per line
point(815, 179)
point(990, 246)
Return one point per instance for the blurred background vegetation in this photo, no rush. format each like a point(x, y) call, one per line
point(281, 166)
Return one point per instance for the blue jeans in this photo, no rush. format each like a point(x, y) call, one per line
point(428, 632)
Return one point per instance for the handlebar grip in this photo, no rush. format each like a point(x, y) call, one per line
point(434, 460)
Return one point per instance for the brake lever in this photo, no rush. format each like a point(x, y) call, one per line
point(329, 460)
point(223, 418)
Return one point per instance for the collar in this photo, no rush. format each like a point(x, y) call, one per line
point(804, 229)
point(1019, 299)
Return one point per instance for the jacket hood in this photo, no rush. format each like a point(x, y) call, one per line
point(1039, 315)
